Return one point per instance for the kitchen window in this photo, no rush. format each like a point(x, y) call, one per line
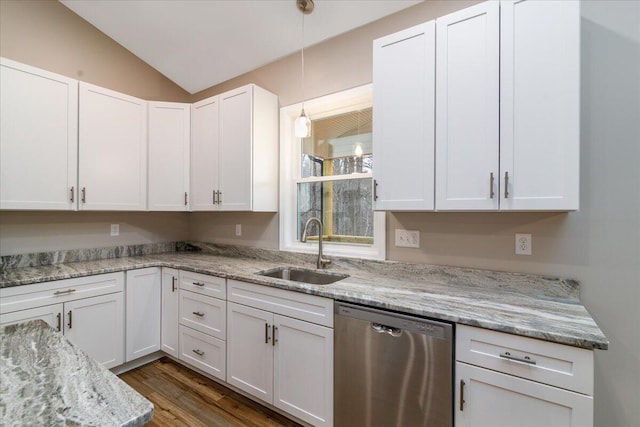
point(329, 175)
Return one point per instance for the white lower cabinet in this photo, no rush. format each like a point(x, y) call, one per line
point(203, 351)
point(504, 380)
point(144, 293)
point(169, 312)
point(281, 360)
point(88, 310)
point(202, 322)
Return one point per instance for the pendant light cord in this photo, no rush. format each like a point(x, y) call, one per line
point(302, 55)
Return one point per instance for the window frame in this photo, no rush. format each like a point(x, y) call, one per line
point(290, 175)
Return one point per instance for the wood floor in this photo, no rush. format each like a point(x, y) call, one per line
point(182, 397)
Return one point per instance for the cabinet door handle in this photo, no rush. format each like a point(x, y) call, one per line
point(198, 283)
point(213, 196)
point(70, 320)
point(72, 194)
point(506, 185)
point(198, 313)
point(84, 195)
point(186, 199)
point(525, 359)
point(173, 283)
point(59, 317)
point(198, 352)
point(462, 384)
point(68, 291)
point(491, 179)
point(266, 333)
point(274, 329)
point(219, 197)
point(375, 190)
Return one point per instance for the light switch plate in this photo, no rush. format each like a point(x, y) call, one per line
point(238, 230)
point(407, 238)
point(115, 229)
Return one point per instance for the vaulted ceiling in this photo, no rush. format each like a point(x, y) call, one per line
point(200, 43)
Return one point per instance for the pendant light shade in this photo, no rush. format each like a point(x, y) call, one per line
point(302, 126)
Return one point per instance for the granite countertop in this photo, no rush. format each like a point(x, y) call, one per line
point(45, 380)
point(527, 305)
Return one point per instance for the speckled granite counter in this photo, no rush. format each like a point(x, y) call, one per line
point(46, 381)
point(528, 305)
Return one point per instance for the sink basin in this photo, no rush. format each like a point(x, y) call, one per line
point(294, 274)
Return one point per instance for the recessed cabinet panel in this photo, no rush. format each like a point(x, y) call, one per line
point(467, 105)
point(112, 150)
point(51, 314)
point(169, 142)
point(143, 296)
point(403, 119)
point(205, 140)
point(203, 351)
point(540, 105)
point(39, 138)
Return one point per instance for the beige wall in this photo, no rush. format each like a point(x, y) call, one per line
point(46, 34)
point(34, 231)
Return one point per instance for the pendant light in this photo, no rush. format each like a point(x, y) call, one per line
point(303, 124)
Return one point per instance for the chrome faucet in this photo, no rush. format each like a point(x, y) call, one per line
point(322, 263)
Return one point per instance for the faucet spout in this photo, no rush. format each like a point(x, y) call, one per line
point(321, 263)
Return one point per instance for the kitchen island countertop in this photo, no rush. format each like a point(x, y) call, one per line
point(45, 380)
point(540, 307)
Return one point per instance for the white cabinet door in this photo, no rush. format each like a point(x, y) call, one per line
point(143, 312)
point(112, 150)
point(203, 351)
point(235, 163)
point(486, 398)
point(96, 325)
point(250, 350)
point(169, 312)
point(202, 313)
point(205, 140)
point(52, 314)
point(303, 370)
point(467, 108)
point(169, 142)
point(403, 118)
point(38, 138)
point(540, 105)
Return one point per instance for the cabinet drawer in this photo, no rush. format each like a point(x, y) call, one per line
point(203, 313)
point(310, 308)
point(203, 351)
point(555, 364)
point(59, 291)
point(201, 283)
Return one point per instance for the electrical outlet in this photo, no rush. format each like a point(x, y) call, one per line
point(238, 230)
point(523, 244)
point(115, 229)
point(407, 238)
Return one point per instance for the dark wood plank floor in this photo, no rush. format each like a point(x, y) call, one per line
point(183, 397)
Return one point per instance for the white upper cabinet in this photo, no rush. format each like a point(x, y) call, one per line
point(467, 108)
point(169, 142)
point(235, 151)
point(205, 141)
point(508, 107)
point(403, 119)
point(540, 105)
point(39, 138)
point(112, 150)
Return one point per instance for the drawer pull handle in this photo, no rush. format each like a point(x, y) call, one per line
point(198, 313)
point(68, 291)
point(198, 283)
point(525, 359)
point(198, 352)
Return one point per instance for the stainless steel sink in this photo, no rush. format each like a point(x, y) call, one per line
point(295, 274)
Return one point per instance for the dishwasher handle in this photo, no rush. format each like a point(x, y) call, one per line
point(384, 329)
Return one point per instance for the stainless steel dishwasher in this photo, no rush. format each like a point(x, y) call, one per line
point(391, 369)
